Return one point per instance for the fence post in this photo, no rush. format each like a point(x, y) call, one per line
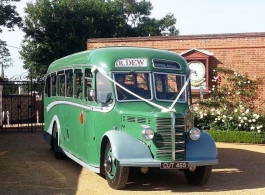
point(7, 117)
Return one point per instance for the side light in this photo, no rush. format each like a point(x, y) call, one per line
point(195, 133)
point(148, 133)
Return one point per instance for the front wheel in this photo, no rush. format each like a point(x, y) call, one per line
point(116, 175)
point(55, 144)
point(198, 177)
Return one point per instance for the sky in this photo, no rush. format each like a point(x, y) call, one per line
point(193, 17)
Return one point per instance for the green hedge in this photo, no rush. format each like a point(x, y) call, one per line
point(238, 136)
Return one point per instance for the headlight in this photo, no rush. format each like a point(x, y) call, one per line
point(148, 133)
point(195, 133)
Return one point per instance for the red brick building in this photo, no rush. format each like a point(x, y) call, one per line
point(242, 52)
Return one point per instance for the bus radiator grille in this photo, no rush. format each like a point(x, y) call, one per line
point(169, 148)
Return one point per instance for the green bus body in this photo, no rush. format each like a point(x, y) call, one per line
point(89, 119)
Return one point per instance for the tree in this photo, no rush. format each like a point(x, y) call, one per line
point(8, 15)
point(5, 60)
point(56, 28)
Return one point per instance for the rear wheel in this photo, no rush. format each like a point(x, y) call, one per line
point(55, 144)
point(198, 177)
point(116, 175)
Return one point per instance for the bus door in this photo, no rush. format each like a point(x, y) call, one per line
point(87, 145)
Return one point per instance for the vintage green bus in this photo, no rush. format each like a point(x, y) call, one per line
point(117, 109)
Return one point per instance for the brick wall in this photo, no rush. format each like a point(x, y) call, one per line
point(243, 52)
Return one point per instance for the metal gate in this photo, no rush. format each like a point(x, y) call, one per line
point(22, 105)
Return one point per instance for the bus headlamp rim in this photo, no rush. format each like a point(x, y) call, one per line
point(148, 133)
point(195, 133)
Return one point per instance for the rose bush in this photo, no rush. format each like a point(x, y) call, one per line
point(231, 103)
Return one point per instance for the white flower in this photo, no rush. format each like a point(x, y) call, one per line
point(223, 120)
point(243, 114)
point(224, 116)
point(247, 111)
point(196, 108)
point(239, 125)
point(245, 118)
point(251, 128)
point(259, 131)
point(239, 117)
point(253, 120)
point(230, 117)
point(235, 110)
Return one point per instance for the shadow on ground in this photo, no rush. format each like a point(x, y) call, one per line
point(237, 169)
point(27, 166)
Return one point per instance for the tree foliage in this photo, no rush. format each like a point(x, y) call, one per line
point(5, 59)
point(8, 15)
point(56, 28)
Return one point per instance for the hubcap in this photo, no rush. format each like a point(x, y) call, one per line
point(108, 164)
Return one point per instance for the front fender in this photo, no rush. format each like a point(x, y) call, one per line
point(202, 149)
point(126, 147)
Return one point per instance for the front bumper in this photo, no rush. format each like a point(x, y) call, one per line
point(156, 163)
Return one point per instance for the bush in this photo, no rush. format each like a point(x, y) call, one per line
point(238, 136)
point(231, 103)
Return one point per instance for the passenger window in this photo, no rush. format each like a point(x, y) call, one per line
point(88, 85)
point(61, 91)
point(69, 83)
point(103, 90)
point(78, 84)
point(53, 84)
point(48, 86)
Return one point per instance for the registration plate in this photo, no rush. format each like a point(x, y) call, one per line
point(174, 165)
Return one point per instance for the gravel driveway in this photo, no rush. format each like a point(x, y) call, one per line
point(27, 166)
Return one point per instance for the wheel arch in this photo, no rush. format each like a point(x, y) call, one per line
point(124, 147)
point(201, 149)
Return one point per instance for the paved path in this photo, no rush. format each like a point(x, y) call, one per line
point(27, 166)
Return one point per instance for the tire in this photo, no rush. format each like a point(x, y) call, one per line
point(198, 177)
point(55, 145)
point(116, 175)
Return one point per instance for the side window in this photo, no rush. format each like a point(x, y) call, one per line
point(103, 90)
point(53, 77)
point(48, 86)
point(88, 85)
point(69, 83)
point(61, 87)
point(78, 84)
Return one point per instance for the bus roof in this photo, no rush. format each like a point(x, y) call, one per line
point(106, 57)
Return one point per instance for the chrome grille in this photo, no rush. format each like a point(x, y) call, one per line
point(170, 145)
